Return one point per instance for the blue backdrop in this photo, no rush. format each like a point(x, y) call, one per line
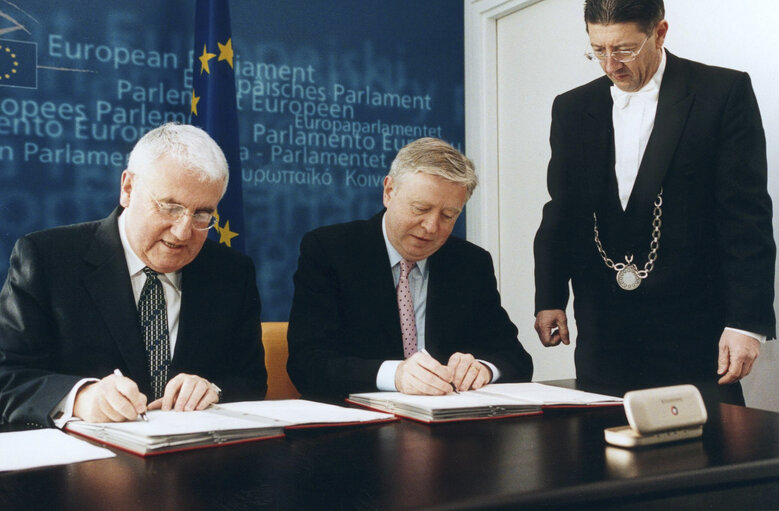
point(327, 92)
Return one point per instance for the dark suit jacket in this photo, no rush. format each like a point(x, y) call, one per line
point(344, 321)
point(67, 311)
point(715, 264)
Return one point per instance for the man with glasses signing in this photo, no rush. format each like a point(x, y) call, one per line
point(138, 311)
point(659, 214)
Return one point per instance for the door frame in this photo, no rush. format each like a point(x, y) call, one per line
point(481, 117)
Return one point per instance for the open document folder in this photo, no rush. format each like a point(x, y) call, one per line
point(492, 401)
point(223, 424)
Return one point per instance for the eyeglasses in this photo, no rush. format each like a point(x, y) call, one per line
point(623, 56)
point(200, 221)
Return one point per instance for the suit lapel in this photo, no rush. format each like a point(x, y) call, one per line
point(110, 289)
point(196, 286)
point(673, 108)
point(379, 285)
point(437, 298)
point(597, 134)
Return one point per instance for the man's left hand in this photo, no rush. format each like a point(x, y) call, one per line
point(737, 354)
point(467, 372)
point(186, 392)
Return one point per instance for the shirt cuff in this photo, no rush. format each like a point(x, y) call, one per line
point(495, 372)
point(758, 337)
point(63, 412)
point(385, 378)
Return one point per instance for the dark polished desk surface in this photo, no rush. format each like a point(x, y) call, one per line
point(558, 460)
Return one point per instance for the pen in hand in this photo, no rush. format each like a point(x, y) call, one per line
point(117, 372)
point(454, 389)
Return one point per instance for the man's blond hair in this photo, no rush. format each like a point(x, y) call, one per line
point(436, 157)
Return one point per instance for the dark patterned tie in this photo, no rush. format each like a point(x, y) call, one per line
point(153, 314)
point(408, 324)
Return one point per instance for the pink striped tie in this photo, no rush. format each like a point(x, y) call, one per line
point(408, 324)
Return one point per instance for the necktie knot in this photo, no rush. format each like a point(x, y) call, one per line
point(150, 273)
point(406, 267)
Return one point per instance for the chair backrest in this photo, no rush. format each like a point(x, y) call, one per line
point(274, 340)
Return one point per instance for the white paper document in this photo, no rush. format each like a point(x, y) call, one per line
point(226, 423)
point(43, 448)
point(170, 423)
point(549, 395)
point(299, 412)
point(168, 431)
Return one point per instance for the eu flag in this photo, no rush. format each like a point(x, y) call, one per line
point(18, 64)
point(214, 108)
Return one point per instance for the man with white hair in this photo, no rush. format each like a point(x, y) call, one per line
point(107, 319)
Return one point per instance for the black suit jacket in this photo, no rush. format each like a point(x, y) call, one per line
point(715, 264)
point(67, 311)
point(344, 321)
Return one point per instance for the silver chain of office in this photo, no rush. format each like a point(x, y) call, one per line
point(628, 275)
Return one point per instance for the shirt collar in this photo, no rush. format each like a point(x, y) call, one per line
point(134, 263)
point(657, 78)
point(650, 91)
point(394, 255)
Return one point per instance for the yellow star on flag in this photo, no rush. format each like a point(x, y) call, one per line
point(225, 234)
point(195, 99)
point(226, 51)
point(204, 58)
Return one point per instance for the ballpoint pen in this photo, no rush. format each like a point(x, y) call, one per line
point(117, 372)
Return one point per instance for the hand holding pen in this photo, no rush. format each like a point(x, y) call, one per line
point(454, 387)
point(114, 398)
point(467, 372)
point(117, 372)
point(422, 374)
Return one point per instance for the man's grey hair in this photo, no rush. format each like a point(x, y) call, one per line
point(187, 145)
point(645, 13)
point(435, 157)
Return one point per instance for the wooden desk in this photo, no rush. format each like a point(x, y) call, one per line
point(558, 460)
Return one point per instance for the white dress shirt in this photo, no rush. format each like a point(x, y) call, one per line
point(633, 116)
point(171, 285)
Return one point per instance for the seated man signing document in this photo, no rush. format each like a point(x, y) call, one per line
point(99, 319)
point(395, 303)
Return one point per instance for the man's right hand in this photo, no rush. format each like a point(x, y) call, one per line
point(422, 374)
point(112, 399)
point(552, 327)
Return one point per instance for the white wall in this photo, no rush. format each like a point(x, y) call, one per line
point(522, 53)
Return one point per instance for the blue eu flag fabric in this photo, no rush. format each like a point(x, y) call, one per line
point(214, 109)
point(18, 64)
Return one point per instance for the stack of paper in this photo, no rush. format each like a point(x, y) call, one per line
point(493, 401)
point(222, 424)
